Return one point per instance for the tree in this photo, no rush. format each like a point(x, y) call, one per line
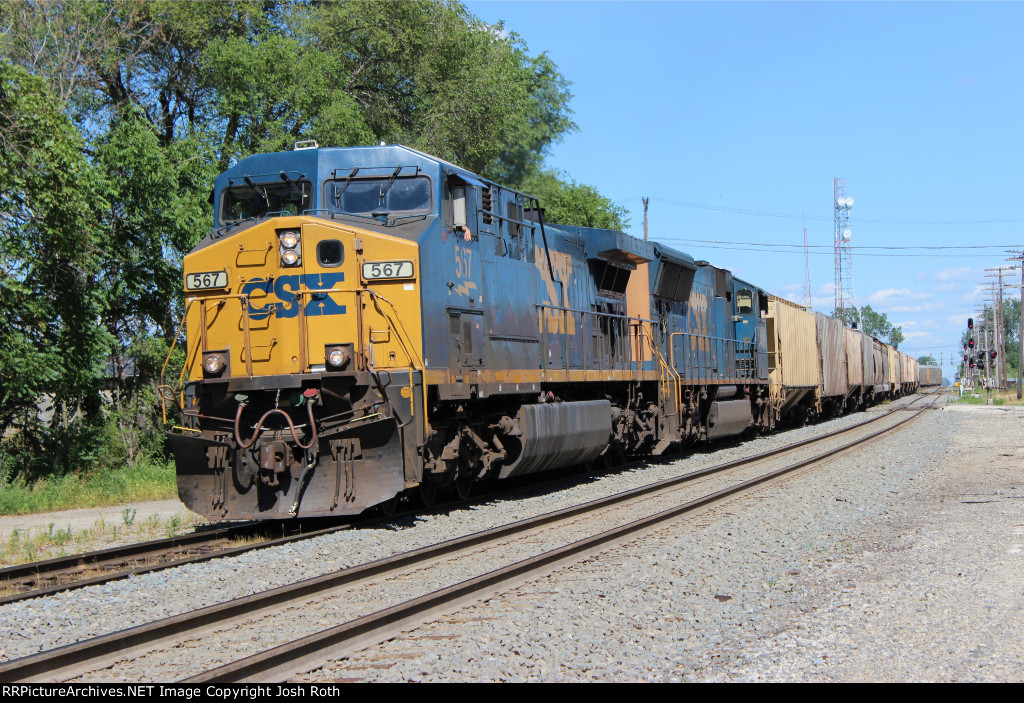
point(874, 323)
point(570, 203)
point(927, 361)
point(116, 116)
point(50, 260)
point(1011, 324)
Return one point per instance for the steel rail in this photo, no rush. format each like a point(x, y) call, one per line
point(33, 573)
point(102, 650)
point(309, 652)
point(19, 574)
point(155, 553)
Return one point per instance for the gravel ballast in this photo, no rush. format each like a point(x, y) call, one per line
point(30, 626)
point(904, 564)
point(648, 610)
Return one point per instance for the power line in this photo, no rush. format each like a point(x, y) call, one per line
point(876, 221)
point(823, 246)
point(824, 253)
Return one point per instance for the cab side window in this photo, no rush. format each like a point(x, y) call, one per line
point(744, 302)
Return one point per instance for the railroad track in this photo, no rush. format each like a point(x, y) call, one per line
point(42, 578)
point(281, 611)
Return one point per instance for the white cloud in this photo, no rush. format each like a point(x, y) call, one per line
point(957, 274)
point(896, 295)
point(977, 293)
point(919, 307)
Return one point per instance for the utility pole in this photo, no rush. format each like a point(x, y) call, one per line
point(1000, 323)
point(1002, 333)
point(1018, 257)
point(646, 200)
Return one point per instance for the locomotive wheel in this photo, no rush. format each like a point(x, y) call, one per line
point(389, 506)
point(463, 485)
point(466, 468)
point(427, 493)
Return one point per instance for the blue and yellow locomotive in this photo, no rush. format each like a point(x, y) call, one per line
point(371, 321)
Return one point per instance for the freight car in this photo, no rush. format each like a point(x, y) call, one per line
point(368, 322)
point(929, 375)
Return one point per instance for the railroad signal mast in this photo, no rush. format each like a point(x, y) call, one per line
point(844, 295)
point(968, 374)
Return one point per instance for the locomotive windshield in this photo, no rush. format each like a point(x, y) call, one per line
point(259, 200)
point(386, 195)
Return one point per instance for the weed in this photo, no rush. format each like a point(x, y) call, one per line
point(128, 515)
point(173, 525)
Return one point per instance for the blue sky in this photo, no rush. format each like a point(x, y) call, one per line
point(734, 119)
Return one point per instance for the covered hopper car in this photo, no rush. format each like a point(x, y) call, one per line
point(370, 322)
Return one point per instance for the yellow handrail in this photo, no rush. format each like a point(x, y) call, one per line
point(391, 318)
point(668, 374)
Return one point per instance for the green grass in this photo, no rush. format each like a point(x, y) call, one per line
point(998, 397)
point(34, 543)
point(144, 481)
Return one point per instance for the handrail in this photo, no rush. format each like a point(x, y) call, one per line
point(718, 345)
point(392, 319)
point(163, 369)
point(668, 373)
point(622, 320)
point(596, 313)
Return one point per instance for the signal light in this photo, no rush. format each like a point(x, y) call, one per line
point(970, 343)
point(972, 363)
point(965, 347)
point(970, 323)
point(965, 358)
point(992, 354)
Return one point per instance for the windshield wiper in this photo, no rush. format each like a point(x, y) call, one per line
point(391, 182)
point(259, 191)
point(289, 181)
point(348, 179)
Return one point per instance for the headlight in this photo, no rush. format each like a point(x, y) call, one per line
point(291, 252)
point(213, 363)
point(337, 357)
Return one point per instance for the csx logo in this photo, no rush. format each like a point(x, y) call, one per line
point(284, 289)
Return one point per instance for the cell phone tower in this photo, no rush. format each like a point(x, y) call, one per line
point(845, 297)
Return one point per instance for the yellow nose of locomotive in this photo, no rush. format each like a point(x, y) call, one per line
point(305, 365)
point(297, 295)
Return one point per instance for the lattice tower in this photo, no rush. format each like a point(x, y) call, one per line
point(844, 295)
